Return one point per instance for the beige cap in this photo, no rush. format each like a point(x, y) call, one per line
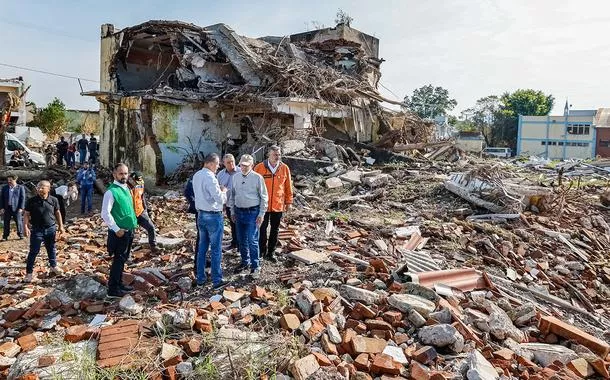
point(246, 159)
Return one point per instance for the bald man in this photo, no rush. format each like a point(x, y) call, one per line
point(42, 211)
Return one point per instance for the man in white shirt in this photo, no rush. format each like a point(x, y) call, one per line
point(118, 213)
point(248, 204)
point(209, 201)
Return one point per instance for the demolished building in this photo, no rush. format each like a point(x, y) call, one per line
point(170, 89)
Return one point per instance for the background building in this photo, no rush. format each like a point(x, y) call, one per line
point(558, 137)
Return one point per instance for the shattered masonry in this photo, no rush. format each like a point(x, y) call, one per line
point(168, 87)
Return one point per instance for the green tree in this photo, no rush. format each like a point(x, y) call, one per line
point(429, 101)
point(521, 102)
point(51, 119)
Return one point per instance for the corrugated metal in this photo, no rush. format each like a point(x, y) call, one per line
point(419, 261)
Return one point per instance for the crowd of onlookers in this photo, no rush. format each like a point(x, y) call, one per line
point(68, 153)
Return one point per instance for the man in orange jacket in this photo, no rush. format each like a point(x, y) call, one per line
point(279, 187)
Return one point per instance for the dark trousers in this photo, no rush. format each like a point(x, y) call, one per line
point(234, 240)
point(38, 236)
point(145, 222)
point(93, 157)
point(71, 158)
point(119, 248)
point(62, 157)
point(62, 207)
point(82, 154)
point(12, 215)
point(86, 198)
point(267, 248)
point(196, 242)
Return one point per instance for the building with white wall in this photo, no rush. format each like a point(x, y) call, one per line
point(169, 89)
point(572, 135)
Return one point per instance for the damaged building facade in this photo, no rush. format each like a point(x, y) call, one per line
point(170, 90)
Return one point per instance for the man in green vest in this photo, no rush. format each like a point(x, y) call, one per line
point(118, 213)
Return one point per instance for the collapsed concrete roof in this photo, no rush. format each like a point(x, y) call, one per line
point(177, 60)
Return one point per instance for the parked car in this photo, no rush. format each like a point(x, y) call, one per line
point(13, 143)
point(497, 152)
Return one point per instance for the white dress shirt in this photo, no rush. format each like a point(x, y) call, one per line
point(107, 204)
point(208, 196)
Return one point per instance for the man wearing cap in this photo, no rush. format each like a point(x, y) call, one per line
point(225, 178)
point(279, 185)
point(120, 217)
point(136, 184)
point(248, 204)
point(209, 201)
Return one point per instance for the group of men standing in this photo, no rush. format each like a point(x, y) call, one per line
point(253, 198)
point(40, 218)
point(66, 152)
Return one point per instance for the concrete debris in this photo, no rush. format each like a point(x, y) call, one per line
point(408, 302)
point(442, 336)
point(308, 256)
point(129, 305)
point(546, 354)
point(479, 368)
point(401, 279)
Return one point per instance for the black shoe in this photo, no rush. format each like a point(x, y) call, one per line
point(208, 264)
point(271, 258)
point(242, 267)
point(116, 293)
point(126, 288)
point(220, 285)
point(20, 237)
point(5, 238)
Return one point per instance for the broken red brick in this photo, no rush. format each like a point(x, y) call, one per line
point(418, 371)
point(77, 333)
point(33, 309)
point(46, 360)
point(290, 322)
point(425, 355)
point(601, 367)
point(362, 362)
point(384, 364)
point(170, 373)
point(553, 325)
point(27, 342)
point(504, 353)
point(205, 325)
point(400, 338)
point(322, 359)
point(13, 315)
point(9, 349)
point(192, 347)
point(394, 318)
point(328, 346)
point(95, 308)
point(379, 265)
point(375, 324)
point(362, 311)
point(581, 368)
point(368, 345)
point(258, 293)
point(172, 361)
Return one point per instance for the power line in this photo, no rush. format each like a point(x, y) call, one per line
point(49, 73)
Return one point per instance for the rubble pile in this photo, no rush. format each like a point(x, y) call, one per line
point(384, 274)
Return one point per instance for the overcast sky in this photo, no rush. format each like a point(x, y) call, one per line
point(474, 48)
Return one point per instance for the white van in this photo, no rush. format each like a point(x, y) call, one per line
point(497, 152)
point(13, 143)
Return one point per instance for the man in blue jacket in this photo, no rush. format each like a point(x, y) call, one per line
point(86, 178)
point(12, 203)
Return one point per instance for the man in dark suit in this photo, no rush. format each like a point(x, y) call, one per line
point(12, 203)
